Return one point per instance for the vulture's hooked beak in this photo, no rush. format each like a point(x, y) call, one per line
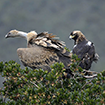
point(6, 36)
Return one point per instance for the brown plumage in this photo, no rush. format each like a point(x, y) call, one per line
point(43, 50)
point(84, 49)
point(46, 40)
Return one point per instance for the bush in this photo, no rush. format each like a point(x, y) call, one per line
point(38, 87)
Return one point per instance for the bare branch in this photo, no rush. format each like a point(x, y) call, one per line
point(87, 83)
point(90, 72)
point(88, 77)
point(34, 84)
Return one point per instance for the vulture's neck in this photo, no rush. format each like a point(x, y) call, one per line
point(25, 35)
point(22, 34)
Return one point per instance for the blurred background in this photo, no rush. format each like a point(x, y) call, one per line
point(59, 17)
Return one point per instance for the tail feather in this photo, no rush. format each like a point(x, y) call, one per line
point(96, 58)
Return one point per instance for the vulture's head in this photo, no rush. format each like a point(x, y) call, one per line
point(16, 33)
point(12, 33)
point(77, 36)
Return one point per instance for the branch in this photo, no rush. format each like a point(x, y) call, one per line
point(34, 84)
point(88, 77)
point(90, 72)
point(87, 83)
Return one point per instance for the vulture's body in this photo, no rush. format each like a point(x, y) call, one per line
point(84, 49)
point(43, 50)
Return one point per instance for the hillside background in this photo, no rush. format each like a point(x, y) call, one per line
point(59, 17)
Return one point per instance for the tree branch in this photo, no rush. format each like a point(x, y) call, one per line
point(34, 84)
point(88, 77)
point(87, 83)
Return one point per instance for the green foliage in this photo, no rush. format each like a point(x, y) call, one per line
point(38, 87)
point(67, 49)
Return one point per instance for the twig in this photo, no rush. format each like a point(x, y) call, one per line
point(87, 83)
point(90, 71)
point(35, 84)
point(61, 83)
point(88, 77)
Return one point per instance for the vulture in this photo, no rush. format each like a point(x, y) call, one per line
point(84, 49)
point(43, 50)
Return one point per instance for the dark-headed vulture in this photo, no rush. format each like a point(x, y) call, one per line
point(42, 50)
point(84, 49)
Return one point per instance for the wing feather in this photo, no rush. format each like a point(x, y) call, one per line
point(86, 52)
point(37, 57)
point(82, 49)
point(47, 40)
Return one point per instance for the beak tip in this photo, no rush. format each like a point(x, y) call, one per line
point(70, 37)
point(6, 36)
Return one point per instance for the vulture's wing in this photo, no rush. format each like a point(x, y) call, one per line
point(40, 57)
point(37, 57)
point(47, 40)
